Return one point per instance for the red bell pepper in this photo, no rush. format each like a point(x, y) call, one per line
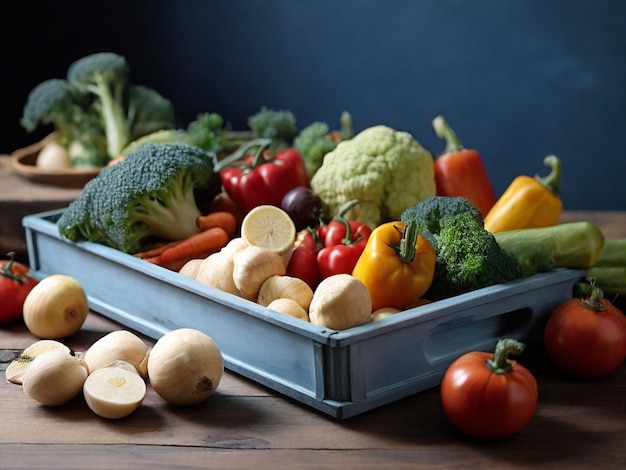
point(303, 261)
point(344, 241)
point(461, 172)
point(254, 180)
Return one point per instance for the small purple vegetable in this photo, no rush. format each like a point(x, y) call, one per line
point(304, 207)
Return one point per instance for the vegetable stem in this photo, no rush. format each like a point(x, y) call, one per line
point(594, 302)
point(552, 182)
point(505, 347)
point(444, 131)
point(6, 270)
point(406, 249)
point(340, 217)
point(242, 151)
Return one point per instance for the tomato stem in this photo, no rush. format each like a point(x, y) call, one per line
point(6, 270)
point(340, 217)
point(500, 363)
point(595, 300)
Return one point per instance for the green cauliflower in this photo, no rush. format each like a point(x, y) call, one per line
point(385, 169)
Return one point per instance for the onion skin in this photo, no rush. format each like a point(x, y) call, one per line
point(304, 207)
point(56, 307)
point(185, 367)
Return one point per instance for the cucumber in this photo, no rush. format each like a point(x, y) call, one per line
point(576, 245)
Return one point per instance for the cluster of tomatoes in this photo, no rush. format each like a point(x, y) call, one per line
point(489, 396)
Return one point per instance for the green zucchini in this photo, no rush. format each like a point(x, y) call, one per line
point(611, 279)
point(614, 253)
point(576, 245)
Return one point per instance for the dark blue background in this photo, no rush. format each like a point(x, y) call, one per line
point(517, 79)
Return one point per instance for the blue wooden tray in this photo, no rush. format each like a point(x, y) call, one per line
point(340, 373)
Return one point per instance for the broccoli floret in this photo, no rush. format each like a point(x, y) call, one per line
point(148, 111)
point(313, 142)
point(50, 102)
point(431, 212)
point(106, 76)
point(150, 195)
point(316, 140)
point(278, 125)
point(205, 132)
point(77, 126)
point(468, 258)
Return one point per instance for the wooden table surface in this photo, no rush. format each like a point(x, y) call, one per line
point(578, 423)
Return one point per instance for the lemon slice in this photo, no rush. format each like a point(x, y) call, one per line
point(269, 227)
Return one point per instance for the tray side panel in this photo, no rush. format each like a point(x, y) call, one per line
point(289, 362)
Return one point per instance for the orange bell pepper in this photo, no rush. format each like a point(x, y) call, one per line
point(460, 171)
point(529, 202)
point(397, 265)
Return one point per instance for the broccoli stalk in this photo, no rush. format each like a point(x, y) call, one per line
point(151, 195)
point(106, 75)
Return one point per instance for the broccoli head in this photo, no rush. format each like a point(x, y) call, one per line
point(77, 126)
point(148, 111)
point(316, 140)
point(430, 213)
point(150, 195)
point(278, 125)
point(468, 258)
point(106, 76)
point(205, 132)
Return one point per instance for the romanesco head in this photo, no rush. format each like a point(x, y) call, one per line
point(385, 169)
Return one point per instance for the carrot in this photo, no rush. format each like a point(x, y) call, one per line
point(223, 219)
point(157, 249)
point(223, 202)
point(197, 246)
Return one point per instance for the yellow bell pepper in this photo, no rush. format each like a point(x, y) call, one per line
point(528, 202)
point(397, 265)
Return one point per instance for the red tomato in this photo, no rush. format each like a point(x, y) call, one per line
point(303, 261)
point(489, 396)
point(15, 284)
point(586, 338)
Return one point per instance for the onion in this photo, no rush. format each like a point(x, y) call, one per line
point(304, 207)
point(56, 307)
point(185, 366)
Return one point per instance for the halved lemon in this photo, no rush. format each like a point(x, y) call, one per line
point(269, 227)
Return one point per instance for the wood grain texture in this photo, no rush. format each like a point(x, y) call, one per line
point(578, 423)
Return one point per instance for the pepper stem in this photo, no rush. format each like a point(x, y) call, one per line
point(505, 347)
point(406, 250)
point(552, 182)
point(444, 131)
point(242, 151)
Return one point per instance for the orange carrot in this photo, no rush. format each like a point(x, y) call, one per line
point(196, 246)
point(223, 219)
point(157, 249)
